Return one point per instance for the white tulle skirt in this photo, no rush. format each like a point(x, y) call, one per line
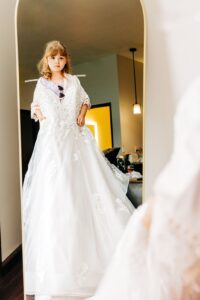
point(75, 210)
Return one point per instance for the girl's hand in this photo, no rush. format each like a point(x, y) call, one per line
point(82, 114)
point(38, 113)
point(81, 120)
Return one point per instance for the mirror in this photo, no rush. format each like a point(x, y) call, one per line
point(98, 36)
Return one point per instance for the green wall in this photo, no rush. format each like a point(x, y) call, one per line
point(101, 84)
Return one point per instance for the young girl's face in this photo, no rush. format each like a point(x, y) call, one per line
point(57, 62)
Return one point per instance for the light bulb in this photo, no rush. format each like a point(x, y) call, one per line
point(136, 109)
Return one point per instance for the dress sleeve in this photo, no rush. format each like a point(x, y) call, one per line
point(84, 96)
point(34, 104)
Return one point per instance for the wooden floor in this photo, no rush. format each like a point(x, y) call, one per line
point(12, 282)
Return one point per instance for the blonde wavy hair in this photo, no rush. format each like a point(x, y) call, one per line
point(53, 48)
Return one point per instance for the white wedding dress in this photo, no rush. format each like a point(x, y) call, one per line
point(74, 201)
point(162, 262)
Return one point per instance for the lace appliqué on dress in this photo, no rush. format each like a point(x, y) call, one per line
point(99, 202)
point(86, 101)
point(81, 276)
point(76, 155)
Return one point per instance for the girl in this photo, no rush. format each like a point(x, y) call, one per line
point(74, 201)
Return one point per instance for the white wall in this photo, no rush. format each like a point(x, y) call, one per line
point(9, 148)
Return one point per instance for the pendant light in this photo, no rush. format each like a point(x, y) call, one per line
point(136, 106)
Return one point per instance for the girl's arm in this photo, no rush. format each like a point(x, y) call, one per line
point(85, 104)
point(39, 114)
point(82, 114)
point(36, 113)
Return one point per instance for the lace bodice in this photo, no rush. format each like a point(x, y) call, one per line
point(57, 111)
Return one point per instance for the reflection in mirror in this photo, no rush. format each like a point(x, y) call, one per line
point(71, 202)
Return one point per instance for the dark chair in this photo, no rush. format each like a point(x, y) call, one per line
point(111, 155)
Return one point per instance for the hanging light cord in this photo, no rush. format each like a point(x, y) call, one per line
point(134, 73)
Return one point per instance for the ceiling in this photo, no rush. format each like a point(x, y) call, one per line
point(90, 29)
